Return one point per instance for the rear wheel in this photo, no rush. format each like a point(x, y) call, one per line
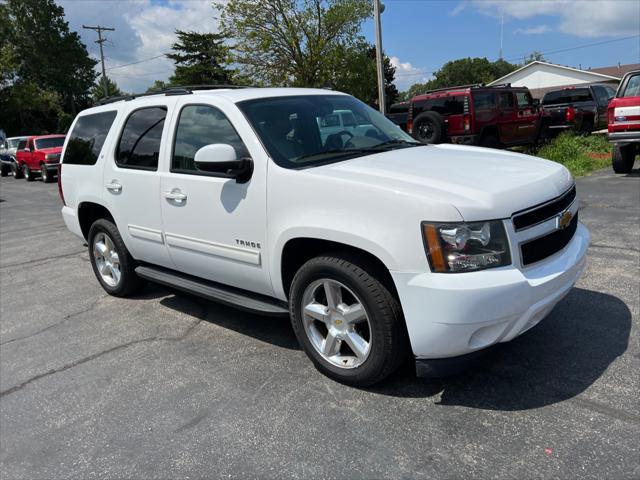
point(27, 173)
point(4, 170)
point(623, 158)
point(347, 321)
point(17, 170)
point(490, 141)
point(428, 127)
point(112, 264)
point(587, 127)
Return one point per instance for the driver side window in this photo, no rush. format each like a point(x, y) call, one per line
point(200, 125)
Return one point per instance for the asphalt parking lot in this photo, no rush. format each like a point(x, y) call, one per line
point(166, 385)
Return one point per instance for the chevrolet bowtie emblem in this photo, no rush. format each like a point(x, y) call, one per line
point(564, 220)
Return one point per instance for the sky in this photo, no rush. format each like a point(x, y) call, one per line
point(418, 35)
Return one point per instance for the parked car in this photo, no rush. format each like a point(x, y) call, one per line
point(39, 154)
point(475, 115)
point(624, 123)
point(579, 109)
point(399, 114)
point(378, 247)
point(8, 154)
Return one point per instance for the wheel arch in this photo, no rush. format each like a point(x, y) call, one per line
point(89, 212)
point(297, 250)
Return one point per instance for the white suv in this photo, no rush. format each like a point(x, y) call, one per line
point(378, 247)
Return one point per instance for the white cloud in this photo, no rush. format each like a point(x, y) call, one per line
point(407, 74)
point(458, 9)
point(144, 29)
point(582, 18)
point(538, 30)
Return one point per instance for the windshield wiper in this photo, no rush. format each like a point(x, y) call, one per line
point(390, 143)
point(341, 151)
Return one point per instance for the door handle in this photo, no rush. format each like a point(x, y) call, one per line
point(176, 195)
point(114, 186)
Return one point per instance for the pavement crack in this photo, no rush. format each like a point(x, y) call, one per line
point(614, 247)
point(57, 324)
point(94, 356)
point(43, 261)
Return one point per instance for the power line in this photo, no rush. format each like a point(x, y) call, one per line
point(135, 63)
point(100, 41)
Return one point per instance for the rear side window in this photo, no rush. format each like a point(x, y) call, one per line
point(506, 100)
point(632, 89)
point(22, 144)
point(87, 137)
point(139, 145)
point(446, 105)
point(524, 99)
point(201, 125)
point(484, 101)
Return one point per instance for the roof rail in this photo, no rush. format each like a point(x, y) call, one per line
point(169, 91)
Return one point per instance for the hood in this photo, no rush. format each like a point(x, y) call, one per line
point(481, 183)
point(51, 150)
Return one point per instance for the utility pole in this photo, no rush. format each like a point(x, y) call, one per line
point(501, 33)
point(100, 41)
point(378, 8)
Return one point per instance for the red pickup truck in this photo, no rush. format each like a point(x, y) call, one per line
point(624, 123)
point(496, 116)
point(39, 154)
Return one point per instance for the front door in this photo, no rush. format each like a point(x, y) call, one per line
point(132, 184)
point(526, 118)
point(215, 228)
point(506, 116)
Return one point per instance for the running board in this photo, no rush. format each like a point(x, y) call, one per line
point(216, 292)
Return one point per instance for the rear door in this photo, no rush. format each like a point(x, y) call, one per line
point(131, 181)
point(507, 125)
point(603, 96)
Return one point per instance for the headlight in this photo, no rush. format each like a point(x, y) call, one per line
point(465, 247)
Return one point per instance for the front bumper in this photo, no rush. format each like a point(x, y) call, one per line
point(449, 315)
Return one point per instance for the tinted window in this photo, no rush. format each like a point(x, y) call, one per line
point(446, 105)
point(87, 137)
point(399, 108)
point(524, 99)
point(602, 94)
point(22, 145)
point(484, 101)
point(201, 125)
point(568, 95)
point(49, 142)
point(632, 89)
point(139, 145)
point(506, 100)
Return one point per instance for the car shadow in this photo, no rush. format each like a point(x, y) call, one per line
point(275, 330)
point(557, 360)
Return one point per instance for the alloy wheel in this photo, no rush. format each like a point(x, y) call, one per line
point(336, 323)
point(107, 259)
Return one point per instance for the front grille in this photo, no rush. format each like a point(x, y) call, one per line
point(534, 215)
point(544, 247)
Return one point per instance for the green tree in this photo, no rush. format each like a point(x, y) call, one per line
point(355, 72)
point(199, 59)
point(292, 42)
point(97, 90)
point(464, 71)
point(534, 56)
point(158, 85)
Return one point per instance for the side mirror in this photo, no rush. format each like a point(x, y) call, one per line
point(536, 102)
point(221, 159)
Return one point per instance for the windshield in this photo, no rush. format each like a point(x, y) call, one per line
point(13, 142)
point(571, 95)
point(309, 130)
point(632, 88)
point(51, 142)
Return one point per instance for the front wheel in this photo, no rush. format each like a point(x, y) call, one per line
point(623, 158)
point(347, 321)
point(4, 170)
point(27, 173)
point(112, 264)
point(45, 175)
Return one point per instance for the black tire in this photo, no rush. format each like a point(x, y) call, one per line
point(490, 141)
point(586, 127)
point(17, 170)
point(428, 127)
point(27, 173)
point(4, 170)
point(45, 175)
point(623, 158)
point(129, 282)
point(389, 344)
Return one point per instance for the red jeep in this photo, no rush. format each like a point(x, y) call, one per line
point(475, 115)
point(624, 123)
point(39, 154)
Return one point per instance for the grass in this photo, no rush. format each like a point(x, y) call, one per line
point(581, 155)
